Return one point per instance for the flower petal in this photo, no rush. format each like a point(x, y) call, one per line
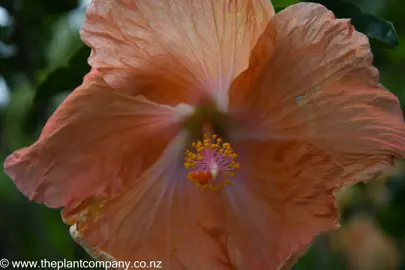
point(281, 199)
point(162, 217)
point(93, 75)
point(97, 141)
point(311, 78)
point(194, 47)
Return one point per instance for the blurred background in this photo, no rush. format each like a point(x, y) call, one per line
point(42, 59)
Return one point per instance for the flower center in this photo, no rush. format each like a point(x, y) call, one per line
point(212, 163)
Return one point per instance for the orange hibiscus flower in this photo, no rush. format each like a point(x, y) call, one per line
point(211, 134)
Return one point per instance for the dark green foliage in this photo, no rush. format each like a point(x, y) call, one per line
point(29, 32)
point(62, 79)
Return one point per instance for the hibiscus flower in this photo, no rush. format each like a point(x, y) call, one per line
point(211, 134)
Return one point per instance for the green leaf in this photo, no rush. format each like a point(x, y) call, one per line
point(65, 78)
point(62, 79)
point(372, 26)
point(279, 8)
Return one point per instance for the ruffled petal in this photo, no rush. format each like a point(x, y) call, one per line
point(263, 221)
point(97, 141)
point(195, 48)
point(281, 199)
point(93, 74)
point(317, 120)
point(311, 78)
point(162, 217)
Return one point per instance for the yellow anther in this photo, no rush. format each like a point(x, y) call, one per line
point(202, 176)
